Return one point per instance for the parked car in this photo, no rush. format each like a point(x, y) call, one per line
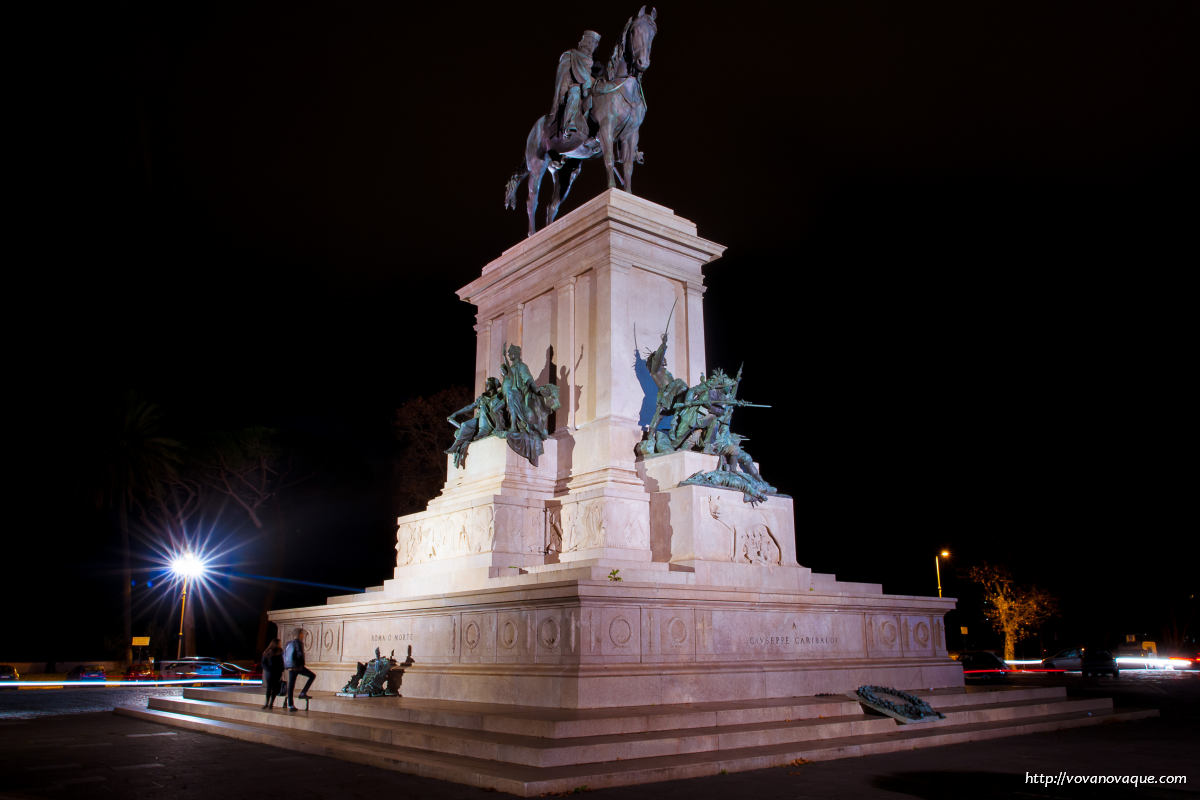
point(9, 673)
point(87, 672)
point(980, 666)
point(1071, 658)
point(231, 670)
point(190, 667)
point(141, 672)
point(1099, 662)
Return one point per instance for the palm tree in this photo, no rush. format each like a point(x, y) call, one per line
point(133, 460)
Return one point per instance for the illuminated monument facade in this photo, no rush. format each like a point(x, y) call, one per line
point(595, 579)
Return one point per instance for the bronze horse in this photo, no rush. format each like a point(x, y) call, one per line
point(618, 108)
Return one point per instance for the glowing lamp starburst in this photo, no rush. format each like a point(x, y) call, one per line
point(187, 566)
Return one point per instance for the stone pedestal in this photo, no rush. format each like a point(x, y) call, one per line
point(579, 298)
point(573, 297)
point(594, 579)
point(723, 540)
point(594, 643)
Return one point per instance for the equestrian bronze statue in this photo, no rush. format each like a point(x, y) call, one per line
point(596, 112)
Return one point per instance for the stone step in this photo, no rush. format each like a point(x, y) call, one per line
point(531, 751)
point(945, 698)
point(528, 780)
point(993, 712)
point(567, 723)
point(593, 748)
point(904, 737)
point(457, 769)
point(555, 723)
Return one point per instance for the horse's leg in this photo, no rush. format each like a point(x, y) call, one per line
point(605, 136)
point(571, 181)
point(535, 165)
point(629, 144)
point(555, 199)
point(537, 170)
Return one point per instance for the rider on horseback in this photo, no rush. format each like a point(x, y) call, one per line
point(573, 86)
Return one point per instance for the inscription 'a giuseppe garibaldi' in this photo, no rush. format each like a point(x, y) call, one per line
point(809, 641)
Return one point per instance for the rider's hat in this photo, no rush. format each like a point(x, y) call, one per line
point(595, 37)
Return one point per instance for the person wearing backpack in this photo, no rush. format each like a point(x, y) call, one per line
point(293, 662)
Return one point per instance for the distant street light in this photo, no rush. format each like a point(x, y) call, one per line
point(187, 566)
point(937, 565)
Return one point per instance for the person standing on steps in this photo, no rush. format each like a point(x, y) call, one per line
point(293, 661)
point(272, 669)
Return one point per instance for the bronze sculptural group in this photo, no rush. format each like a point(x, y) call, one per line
point(512, 407)
point(378, 677)
point(596, 112)
point(699, 419)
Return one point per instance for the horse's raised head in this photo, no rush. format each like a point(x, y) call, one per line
point(641, 37)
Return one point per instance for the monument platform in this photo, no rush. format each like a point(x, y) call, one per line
point(575, 639)
point(534, 751)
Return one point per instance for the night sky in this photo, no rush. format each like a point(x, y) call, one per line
point(958, 236)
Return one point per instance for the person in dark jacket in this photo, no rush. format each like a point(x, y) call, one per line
point(293, 661)
point(272, 669)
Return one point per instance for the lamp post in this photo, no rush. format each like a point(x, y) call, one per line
point(187, 567)
point(937, 565)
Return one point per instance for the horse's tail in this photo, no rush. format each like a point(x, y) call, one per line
point(510, 191)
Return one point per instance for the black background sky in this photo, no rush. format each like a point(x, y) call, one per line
point(958, 241)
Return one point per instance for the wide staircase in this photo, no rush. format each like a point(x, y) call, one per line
point(530, 751)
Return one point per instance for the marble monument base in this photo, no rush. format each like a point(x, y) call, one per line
point(577, 644)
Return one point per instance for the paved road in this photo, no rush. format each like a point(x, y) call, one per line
point(90, 754)
point(34, 703)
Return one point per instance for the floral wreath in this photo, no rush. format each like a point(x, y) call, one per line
point(913, 708)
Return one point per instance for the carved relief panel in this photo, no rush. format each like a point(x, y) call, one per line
point(514, 636)
point(669, 634)
point(329, 646)
point(460, 533)
point(939, 636)
point(583, 525)
point(617, 632)
point(884, 634)
point(556, 634)
point(478, 638)
point(737, 533)
point(918, 635)
point(605, 522)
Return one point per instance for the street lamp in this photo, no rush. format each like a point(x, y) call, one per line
point(187, 567)
point(937, 565)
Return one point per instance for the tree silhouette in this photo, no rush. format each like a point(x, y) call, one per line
point(251, 468)
point(133, 460)
point(423, 435)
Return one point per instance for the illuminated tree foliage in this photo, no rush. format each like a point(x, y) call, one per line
point(1014, 611)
